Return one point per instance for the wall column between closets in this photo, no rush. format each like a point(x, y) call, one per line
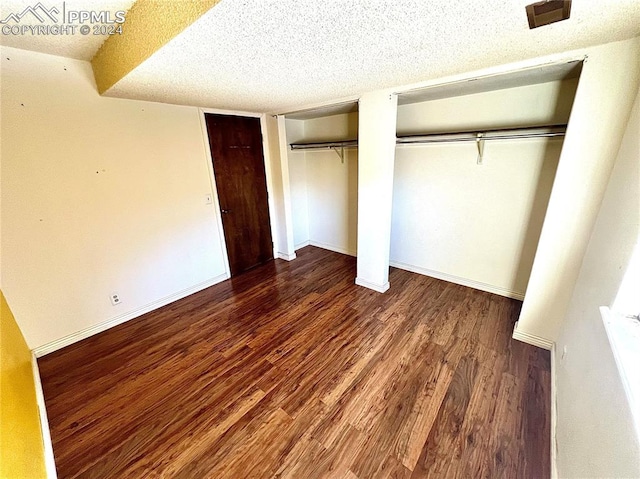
point(376, 156)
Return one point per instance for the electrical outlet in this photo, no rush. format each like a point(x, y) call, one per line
point(115, 299)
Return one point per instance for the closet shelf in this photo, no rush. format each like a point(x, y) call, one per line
point(549, 131)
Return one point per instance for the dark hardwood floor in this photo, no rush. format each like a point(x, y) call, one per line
point(291, 370)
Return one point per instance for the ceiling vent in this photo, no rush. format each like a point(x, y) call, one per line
point(550, 11)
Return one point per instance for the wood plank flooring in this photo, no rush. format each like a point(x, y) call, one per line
point(292, 371)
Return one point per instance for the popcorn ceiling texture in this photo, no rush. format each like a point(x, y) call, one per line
point(282, 55)
point(148, 26)
point(278, 55)
point(80, 47)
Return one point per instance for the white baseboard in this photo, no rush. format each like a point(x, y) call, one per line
point(459, 280)
point(49, 460)
point(554, 416)
point(330, 247)
point(286, 256)
point(531, 339)
point(301, 245)
point(123, 318)
point(380, 288)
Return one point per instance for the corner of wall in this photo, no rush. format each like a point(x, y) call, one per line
point(22, 445)
point(529, 338)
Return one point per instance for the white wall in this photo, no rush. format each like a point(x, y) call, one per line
point(538, 104)
point(324, 188)
point(278, 186)
point(476, 224)
point(607, 88)
point(99, 195)
point(378, 113)
point(298, 184)
point(595, 429)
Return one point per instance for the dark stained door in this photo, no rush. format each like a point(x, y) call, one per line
point(238, 166)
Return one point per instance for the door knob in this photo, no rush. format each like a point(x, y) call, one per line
point(224, 212)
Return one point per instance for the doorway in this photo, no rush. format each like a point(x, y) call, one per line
point(238, 166)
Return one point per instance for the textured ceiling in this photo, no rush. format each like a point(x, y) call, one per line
point(81, 47)
point(280, 55)
point(284, 55)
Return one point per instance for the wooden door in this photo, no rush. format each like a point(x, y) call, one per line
point(238, 165)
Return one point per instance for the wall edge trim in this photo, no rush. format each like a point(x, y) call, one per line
point(123, 318)
point(49, 459)
point(286, 256)
point(489, 288)
point(532, 339)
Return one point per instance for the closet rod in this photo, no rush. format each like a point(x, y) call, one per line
point(501, 134)
point(324, 145)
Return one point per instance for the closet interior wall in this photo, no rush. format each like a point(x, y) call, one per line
point(454, 219)
point(477, 224)
point(324, 188)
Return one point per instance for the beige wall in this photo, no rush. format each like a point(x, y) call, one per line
point(99, 195)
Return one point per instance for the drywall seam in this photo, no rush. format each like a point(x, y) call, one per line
point(532, 339)
point(148, 26)
point(98, 328)
point(489, 288)
point(49, 459)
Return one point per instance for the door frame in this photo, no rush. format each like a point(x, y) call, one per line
point(212, 179)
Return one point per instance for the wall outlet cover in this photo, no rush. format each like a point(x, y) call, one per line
point(115, 299)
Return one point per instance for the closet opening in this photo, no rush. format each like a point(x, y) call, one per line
point(474, 168)
point(323, 176)
point(475, 163)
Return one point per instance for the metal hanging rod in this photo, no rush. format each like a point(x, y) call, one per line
point(325, 145)
point(501, 134)
point(478, 136)
point(337, 146)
